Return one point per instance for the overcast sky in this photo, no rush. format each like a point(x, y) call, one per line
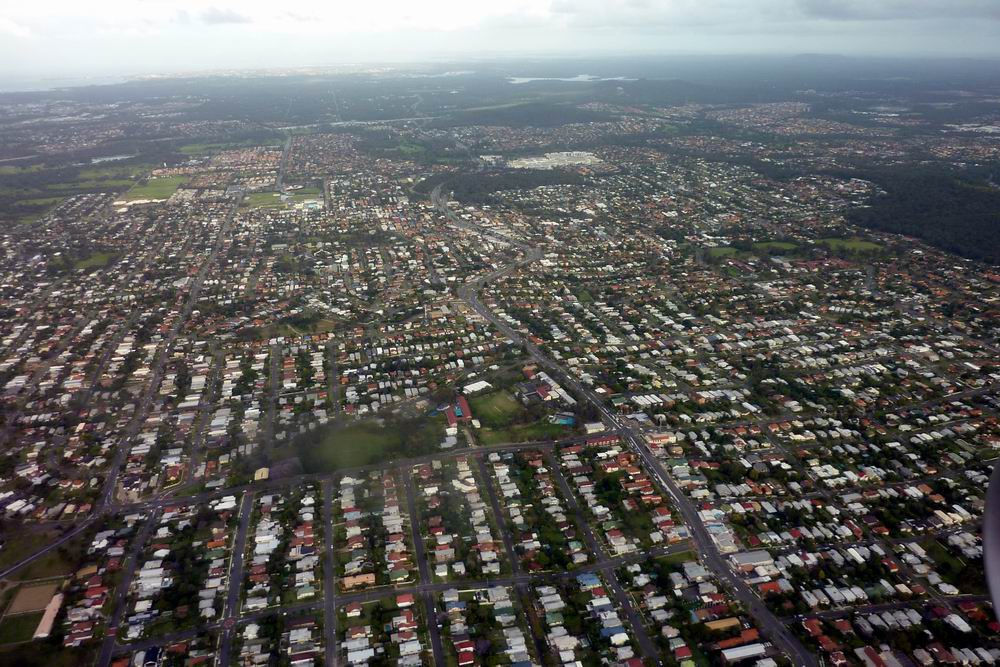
point(103, 37)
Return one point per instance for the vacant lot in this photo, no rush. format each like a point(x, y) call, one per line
point(155, 188)
point(33, 598)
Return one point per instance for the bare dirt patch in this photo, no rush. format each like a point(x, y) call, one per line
point(32, 598)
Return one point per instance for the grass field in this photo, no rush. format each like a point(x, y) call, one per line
point(119, 172)
point(362, 443)
point(18, 628)
point(677, 559)
point(768, 246)
point(273, 200)
point(300, 197)
point(91, 184)
point(854, 244)
point(496, 409)
point(721, 252)
point(155, 188)
point(42, 201)
point(96, 261)
point(264, 200)
point(52, 564)
point(10, 169)
point(410, 148)
point(27, 543)
point(520, 433)
point(308, 191)
point(31, 202)
point(45, 654)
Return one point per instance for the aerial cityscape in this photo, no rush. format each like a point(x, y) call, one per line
point(633, 360)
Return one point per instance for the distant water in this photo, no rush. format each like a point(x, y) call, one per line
point(109, 158)
point(17, 84)
point(579, 78)
point(439, 75)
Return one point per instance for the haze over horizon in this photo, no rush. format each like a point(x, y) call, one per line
point(120, 37)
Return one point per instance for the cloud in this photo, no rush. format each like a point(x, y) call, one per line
point(13, 29)
point(217, 16)
point(889, 10)
point(140, 35)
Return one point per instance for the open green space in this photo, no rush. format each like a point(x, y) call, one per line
point(89, 184)
point(47, 654)
point(11, 169)
point(27, 543)
point(19, 628)
point(274, 200)
point(155, 188)
point(722, 251)
point(354, 445)
point(363, 443)
point(299, 197)
point(264, 200)
point(854, 244)
point(29, 192)
point(57, 562)
point(42, 201)
point(771, 246)
point(308, 191)
point(407, 147)
point(677, 558)
point(496, 409)
point(96, 260)
point(964, 576)
point(120, 172)
point(521, 433)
